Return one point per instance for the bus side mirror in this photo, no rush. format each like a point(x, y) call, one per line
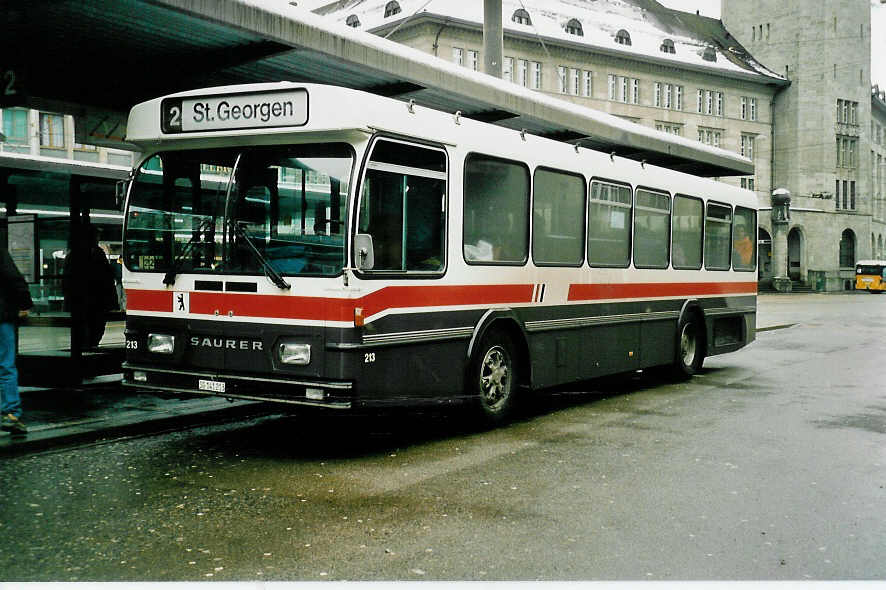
point(120, 193)
point(364, 258)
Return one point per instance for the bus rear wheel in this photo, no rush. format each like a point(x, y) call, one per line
point(493, 377)
point(690, 346)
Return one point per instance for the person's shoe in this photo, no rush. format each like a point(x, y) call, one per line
point(13, 425)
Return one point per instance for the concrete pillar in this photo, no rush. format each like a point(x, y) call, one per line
point(781, 221)
point(493, 38)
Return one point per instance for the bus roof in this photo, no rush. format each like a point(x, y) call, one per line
point(259, 113)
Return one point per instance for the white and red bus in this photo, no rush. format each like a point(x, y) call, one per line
point(310, 244)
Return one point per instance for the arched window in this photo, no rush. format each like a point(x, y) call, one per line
point(573, 27)
point(847, 249)
point(710, 54)
point(622, 37)
point(353, 21)
point(667, 46)
point(521, 17)
point(880, 247)
point(392, 8)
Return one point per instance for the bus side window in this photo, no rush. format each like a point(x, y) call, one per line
point(496, 210)
point(652, 228)
point(609, 225)
point(558, 204)
point(744, 243)
point(687, 232)
point(717, 247)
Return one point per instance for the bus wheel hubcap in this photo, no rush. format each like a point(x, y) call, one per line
point(495, 376)
point(687, 344)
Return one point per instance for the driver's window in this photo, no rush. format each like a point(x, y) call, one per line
point(402, 207)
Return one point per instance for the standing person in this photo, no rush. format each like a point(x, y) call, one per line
point(15, 301)
point(88, 284)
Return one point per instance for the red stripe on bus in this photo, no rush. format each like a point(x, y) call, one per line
point(145, 300)
point(590, 292)
point(328, 308)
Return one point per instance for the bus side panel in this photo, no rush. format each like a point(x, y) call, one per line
point(657, 343)
point(417, 372)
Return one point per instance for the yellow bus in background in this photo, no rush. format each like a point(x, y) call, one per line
point(870, 275)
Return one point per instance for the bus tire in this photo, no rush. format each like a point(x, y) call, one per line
point(493, 377)
point(690, 346)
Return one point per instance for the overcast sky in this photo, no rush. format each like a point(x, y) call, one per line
point(878, 30)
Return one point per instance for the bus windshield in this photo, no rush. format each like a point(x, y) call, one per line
point(287, 202)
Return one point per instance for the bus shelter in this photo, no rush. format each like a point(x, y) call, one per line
point(47, 206)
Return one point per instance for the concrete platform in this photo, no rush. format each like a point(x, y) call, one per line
point(102, 408)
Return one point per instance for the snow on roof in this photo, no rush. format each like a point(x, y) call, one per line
point(647, 22)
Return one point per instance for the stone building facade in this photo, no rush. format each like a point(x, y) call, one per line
point(753, 83)
point(828, 129)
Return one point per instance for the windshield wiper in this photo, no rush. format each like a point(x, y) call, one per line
point(169, 277)
point(270, 271)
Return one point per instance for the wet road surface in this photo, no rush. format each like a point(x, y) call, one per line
point(771, 464)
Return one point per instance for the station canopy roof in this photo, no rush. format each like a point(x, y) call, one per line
point(95, 60)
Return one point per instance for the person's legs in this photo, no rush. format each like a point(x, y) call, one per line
point(11, 403)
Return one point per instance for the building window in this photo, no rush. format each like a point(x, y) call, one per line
point(353, 21)
point(15, 125)
point(710, 136)
point(52, 130)
point(747, 146)
point(521, 17)
point(667, 127)
point(753, 107)
point(535, 75)
point(573, 27)
point(561, 79)
point(624, 89)
point(667, 46)
point(458, 56)
point(392, 8)
point(473, 59)
point(710, 54)
point(522, 72)
point(709, 102)
point(622, 37)
point(668, 96)
point(586, 83)
point(747, 183)
point(507, 69)
point(744, 108)
point(846, 151)
point(837, 195)
point(575, 85)
point(847, 249)
point(847, 112)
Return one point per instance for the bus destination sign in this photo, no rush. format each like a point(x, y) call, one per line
point(235, 111)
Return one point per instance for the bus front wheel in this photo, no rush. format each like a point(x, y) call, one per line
point(690, 346)
point(494, 376)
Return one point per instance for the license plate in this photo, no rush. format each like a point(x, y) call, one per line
point(210, 385)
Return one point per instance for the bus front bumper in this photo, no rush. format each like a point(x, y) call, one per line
point(325, 394)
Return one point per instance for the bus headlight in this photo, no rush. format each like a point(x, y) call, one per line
point(161, 343)
point(290, 353)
